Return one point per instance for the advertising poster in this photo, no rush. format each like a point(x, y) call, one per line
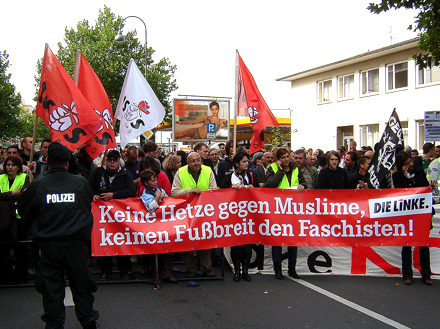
point(193, 117)
point(432, 126)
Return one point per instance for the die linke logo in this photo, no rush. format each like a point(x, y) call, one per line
point(400, 206)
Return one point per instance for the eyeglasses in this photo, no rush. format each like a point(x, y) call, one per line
point(112, 159)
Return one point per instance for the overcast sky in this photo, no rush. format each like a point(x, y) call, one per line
point(274, 38)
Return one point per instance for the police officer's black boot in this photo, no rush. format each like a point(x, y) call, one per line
point(277, 267)
point(246, 262)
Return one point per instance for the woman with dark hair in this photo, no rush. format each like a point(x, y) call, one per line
point(409, 173)
point(170, 166)
point(226, 166)
point(285, 174)
point(333, 176)
point(12, 228)
point(318, 153)
point(241, 178)
point(183, 157)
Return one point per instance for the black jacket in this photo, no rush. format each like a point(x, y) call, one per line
point(250, 178)
point(122, 185)
point(260, 174)
point(224, 167)
point(57, 207)
point(332, 179)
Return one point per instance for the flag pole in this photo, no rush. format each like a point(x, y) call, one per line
point(77, 66)
point(235, 100)
point(34, 134)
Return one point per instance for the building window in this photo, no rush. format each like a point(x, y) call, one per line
point(397, 76)
point(420, 134)
point(370, 82)
point(404, 125)
point(344, 135)
point(428, 75)
point(324, 89)
point(345, 85)
point(369, 134)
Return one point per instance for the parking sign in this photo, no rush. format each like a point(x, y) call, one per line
point(211, 130)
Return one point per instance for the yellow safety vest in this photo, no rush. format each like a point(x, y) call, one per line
point(284, 182)
point(188, 181)
point(17, 184)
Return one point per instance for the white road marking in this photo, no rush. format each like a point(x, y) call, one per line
point(68, 301)
point(355, 306)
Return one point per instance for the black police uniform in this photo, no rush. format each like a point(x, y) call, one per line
point(57, 208)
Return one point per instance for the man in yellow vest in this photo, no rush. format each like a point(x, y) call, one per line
point(195, 178)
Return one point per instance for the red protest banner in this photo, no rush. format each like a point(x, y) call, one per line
point(221, 218)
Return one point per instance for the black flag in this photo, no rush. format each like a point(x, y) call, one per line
point(385, 152)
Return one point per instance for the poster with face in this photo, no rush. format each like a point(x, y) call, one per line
point(191, 119)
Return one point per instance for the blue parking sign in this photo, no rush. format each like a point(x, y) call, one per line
point(210, 127)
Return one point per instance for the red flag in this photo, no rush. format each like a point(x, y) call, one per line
point(92, 89)
point(250, 99)
point(62, 107)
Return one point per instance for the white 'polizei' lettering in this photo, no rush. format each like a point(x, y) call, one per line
point(60, 198)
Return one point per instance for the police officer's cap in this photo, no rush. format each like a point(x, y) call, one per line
point(59, 151)
point(113, 153)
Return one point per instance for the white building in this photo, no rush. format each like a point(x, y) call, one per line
point(354, 98)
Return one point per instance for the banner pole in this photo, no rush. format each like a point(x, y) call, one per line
point(34, 134)
point(235, 101)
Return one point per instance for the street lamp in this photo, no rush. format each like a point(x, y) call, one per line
point(121, 38)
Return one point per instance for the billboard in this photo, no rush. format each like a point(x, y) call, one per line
point(432, 126)
point(200, 120)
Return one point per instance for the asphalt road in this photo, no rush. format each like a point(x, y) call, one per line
point(324, 301)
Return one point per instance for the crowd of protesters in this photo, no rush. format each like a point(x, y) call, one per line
point(152, 175)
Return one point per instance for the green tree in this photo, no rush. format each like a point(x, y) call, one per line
point(110, 59)
point(278, 137)
point(10, 108)
point(427, 23)
point(27, 127)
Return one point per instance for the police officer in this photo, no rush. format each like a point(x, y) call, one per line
point(57, 209)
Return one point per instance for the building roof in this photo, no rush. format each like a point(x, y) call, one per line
point(355, 59)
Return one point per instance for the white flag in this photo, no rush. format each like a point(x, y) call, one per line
point(138, 108)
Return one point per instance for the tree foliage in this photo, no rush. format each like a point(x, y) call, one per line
point(10, 108)
point(110, 59)
point(427, 23)
point(278, 138)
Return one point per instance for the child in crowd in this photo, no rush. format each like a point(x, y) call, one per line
point(153, 194)
point(151, 197)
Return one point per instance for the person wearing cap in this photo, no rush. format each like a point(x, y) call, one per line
point(57, 209)
point(111, 181)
